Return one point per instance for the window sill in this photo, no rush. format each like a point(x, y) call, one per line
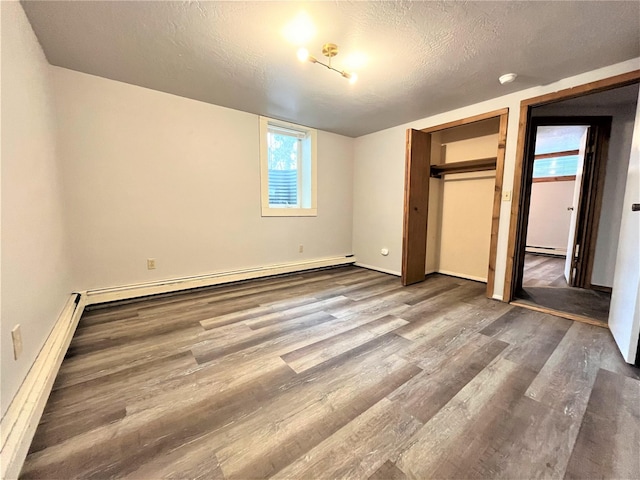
point(289, 212)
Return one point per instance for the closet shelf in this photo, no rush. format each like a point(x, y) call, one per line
point(437, 171)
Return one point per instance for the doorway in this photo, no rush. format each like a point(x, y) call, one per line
point(588, 264)
point(565, 171)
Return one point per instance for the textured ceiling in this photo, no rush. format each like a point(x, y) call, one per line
point(417, 58)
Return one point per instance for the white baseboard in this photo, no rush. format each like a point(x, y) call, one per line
point(19, 423)
point(378, 269)
point(463, 275)
point(497, 296)
point(185, 283)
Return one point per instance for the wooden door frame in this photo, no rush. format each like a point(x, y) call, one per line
point(526, 105)
point(418, 172)
point(590, 204)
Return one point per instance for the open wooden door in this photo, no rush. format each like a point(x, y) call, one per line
point(624, 313)
point(416, 204)
point(573, 245)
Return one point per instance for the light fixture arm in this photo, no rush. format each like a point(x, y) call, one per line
point(341, 72)
point(329, 50)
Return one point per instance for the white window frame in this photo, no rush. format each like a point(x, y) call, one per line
point(307, 187)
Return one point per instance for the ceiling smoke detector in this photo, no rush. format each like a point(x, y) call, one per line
point(507, 78)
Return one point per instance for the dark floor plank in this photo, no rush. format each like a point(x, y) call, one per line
point(388, 471)
point(425, 394)
point(565, 381)
point(607, 445)
point(359, 448)
point(434, 444)
point(533, 336)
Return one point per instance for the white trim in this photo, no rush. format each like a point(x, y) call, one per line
point(497, 296)
point(463, 275)
point(289, 212)
point(176, 284)
point(378, 269)
point(19, 423)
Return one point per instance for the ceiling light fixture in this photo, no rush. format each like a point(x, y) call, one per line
point(329, 50)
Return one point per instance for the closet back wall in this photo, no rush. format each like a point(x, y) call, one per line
point(153, 175)
point(461, 205)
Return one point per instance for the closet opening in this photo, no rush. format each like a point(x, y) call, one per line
point(453, 192)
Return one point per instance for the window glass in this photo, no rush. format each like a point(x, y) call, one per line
point(287, 169)
point(555, 167)
point(284, 157)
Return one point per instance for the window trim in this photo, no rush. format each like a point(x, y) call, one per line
point(311, 135)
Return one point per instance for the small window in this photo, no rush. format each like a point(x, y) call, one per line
point(288, 169)
point(556, 167)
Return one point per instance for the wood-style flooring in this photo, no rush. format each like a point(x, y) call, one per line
point(543, 284)
point(339, 373)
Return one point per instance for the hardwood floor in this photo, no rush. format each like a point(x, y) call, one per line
point(338, 373)
point(543, 271)
point(543, 284)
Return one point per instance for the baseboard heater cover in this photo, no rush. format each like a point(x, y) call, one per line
point(560, 252)
point(21, 419)
point(185, 283)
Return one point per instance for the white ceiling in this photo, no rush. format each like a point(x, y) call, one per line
point(422, 58)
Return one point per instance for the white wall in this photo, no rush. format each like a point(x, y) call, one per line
point(549, 218)
point(615, 181)
point(153, 175)
point(35, 280)
point(379, 174)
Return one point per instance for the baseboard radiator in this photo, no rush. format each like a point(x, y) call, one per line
point(126, 292)
point(19, 423)
point(555, 251)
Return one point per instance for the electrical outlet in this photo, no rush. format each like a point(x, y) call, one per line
point(506, 196)
point(151, 263)
point(300, 248)
point(16, 335)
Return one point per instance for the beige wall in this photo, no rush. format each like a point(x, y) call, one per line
point(34, 269)
point(154, 175)
point(378, 196)
point(461, 205)
point(549, 218)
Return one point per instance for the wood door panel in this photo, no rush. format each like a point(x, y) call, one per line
point(416, 203)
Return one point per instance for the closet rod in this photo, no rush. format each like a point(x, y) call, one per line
point(437, 171)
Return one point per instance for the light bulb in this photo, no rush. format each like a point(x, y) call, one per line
point(303, 54)
point(353, 78)
point(300, 29)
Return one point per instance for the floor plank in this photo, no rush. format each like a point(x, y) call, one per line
point(607, 445)
point(544, 285)
point(339, 373)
